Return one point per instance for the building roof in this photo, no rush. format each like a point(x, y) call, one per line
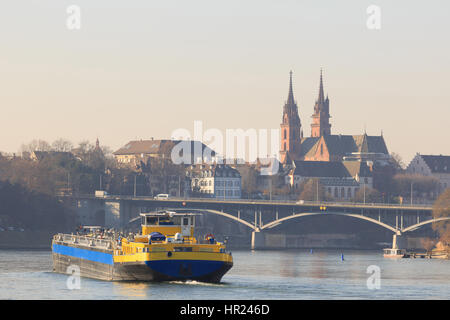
point(39, 155)
point(213, 170)
point(341, 145)
point(331, 169)
point(437, 164)
point(157, 147)
point(337, 182)
point(359, 168)
point(320, 169)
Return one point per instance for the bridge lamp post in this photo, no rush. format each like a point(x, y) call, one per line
point(317, 190)
point(364, 192)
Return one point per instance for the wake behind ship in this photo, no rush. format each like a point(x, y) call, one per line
point(165, 250)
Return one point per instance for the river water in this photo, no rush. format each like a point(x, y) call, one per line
point(287, 275)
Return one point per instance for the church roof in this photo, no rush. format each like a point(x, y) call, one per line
point(320, 169)
point(307, 145)
point(342, 145)
point(331, 169)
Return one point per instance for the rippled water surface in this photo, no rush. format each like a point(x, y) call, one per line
point(289, 274)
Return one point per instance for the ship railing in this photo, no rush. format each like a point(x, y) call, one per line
point(86, 240)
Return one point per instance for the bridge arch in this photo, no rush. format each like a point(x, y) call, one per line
point(248, 224)
point(305, 214)
point(418, 225)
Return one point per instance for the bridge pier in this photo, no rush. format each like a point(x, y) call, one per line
point(258, 240)
point(398, 241)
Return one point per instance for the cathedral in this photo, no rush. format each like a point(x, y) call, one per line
point(322, 145)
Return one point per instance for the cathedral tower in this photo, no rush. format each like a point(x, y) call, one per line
point(291, 133)
point(321, 118)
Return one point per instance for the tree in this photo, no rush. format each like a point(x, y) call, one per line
point(249, 176)
point(62, 145)
point(397, 162)
point(441, 209)
point(36, 145)
point(420, 184)
point(368, 195)
point(313, 190)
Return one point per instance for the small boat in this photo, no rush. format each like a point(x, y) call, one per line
point(164, 250)
point(395, 253)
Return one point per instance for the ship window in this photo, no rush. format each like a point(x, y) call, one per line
point(151, 221)
point(185, 221)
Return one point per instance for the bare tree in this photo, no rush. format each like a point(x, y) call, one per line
point(62, 145)
point(36, 145)
point(397, 161)
point(441, 208)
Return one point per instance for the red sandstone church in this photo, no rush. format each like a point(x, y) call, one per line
point(322, 145)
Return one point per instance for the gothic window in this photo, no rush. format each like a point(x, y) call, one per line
point(284, 133)
point(321, 149)
point(284, 146)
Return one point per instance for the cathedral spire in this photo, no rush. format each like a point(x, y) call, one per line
point(321, 95)
point(291, 92)
point(321, 118)
point(291, 134)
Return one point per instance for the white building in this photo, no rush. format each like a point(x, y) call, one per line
point(216, 181)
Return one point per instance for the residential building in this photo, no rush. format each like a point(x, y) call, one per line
point(215, 181)
point(437, 166)
point(137, 153)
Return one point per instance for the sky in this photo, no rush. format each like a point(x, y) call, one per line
point(141, 69)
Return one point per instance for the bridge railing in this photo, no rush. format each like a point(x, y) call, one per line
point(84, 240)
point(264, 201)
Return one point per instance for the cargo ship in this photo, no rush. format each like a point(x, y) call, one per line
point(164, 250)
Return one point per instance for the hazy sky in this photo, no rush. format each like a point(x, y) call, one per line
point(141, 69)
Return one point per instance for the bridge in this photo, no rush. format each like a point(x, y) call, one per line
point(258, 215)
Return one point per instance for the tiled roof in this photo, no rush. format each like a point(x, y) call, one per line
point(334, 182)
point(359, 168)
point(323, 169)
point(341, 145)
point(214, 170)
point(154, 147)
point(331, 169)
point(437, 164)
point(307, 144)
